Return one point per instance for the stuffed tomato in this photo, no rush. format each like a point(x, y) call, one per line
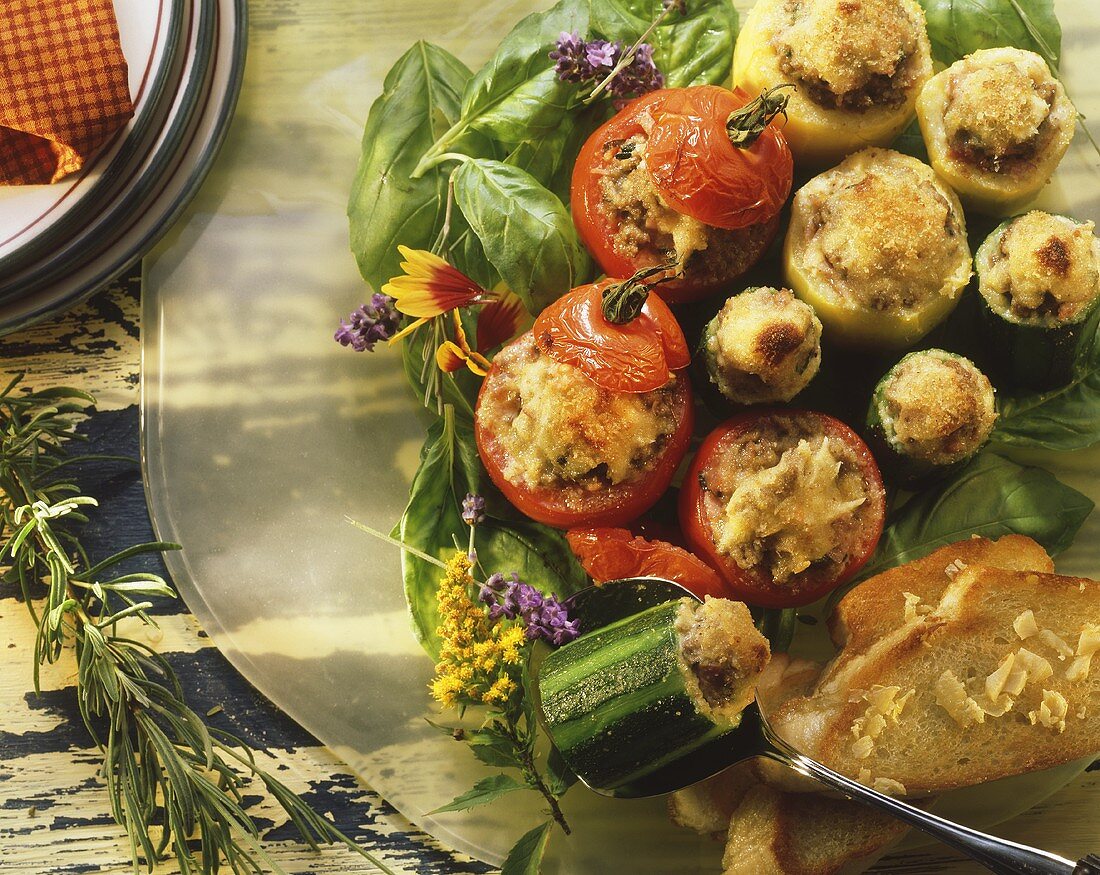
point(787, 504)
point(693, 177)
point(583, 420)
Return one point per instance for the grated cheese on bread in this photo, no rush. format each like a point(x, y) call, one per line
point(964, 656)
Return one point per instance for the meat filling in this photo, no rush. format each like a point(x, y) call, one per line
point(650, 232)
point(852, 55)
point(785, 498)
point(559, 429)
point(1045, 268)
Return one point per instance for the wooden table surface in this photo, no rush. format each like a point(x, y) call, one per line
point(53, 810)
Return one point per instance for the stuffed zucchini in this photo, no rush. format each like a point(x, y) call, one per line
point(877, 246)
point(932, 411)
point(763, 346)
point(857, 68)
point(624, 700)
point(1039, 278)
point(996, 124)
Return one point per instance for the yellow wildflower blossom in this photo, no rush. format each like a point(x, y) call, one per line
point(477, 659)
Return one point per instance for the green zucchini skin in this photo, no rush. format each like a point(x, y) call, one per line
point(1026, 355)
point(615, 704)
point(901, 468)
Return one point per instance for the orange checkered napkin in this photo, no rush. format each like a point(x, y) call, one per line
point(63, 86)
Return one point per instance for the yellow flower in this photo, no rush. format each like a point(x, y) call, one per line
point(429, 287)
point(453, 354)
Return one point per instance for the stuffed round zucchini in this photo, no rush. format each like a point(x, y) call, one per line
point(877, 246)
point(932, 411)
point(857, 67)
point(625, 700)
point(996, 124)
point(786, 504)
point(763, 347)
point(583, 420)
point(1039, 278)
point(691, 178)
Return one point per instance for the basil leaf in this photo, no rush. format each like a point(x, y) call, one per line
point(691, 49)
point(525, 230)
point(991, 497)
point(418, 360)
point(958, 27)
point(432, 522)
point(1063, 419)
point(526, 855)
point(419, 101)
point(550, 159)
point(517, 95)
point(483, 792)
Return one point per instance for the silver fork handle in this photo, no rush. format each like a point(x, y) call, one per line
point(997, 855)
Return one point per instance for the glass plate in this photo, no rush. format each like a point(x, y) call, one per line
point(261, 434)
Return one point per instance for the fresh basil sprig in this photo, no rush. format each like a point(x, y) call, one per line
point(526, 231)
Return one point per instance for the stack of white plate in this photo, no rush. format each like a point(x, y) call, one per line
point(61, 242)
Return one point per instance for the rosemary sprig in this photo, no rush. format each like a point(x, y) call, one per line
point(175, 784)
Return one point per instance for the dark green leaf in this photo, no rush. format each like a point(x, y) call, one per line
point(420, 100)
point(516, 95)
point(483, 792)
point(559, 777)
point(1062, 419)
point(526, 855)
point(959, 27)
point(492, 748)
point(692, 49)
point(525, 230)
point(990, 497)
point(550, 158)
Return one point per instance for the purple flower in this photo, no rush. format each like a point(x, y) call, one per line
point(603, 55)
point(369, 324)
point(679, 5)
point(473, 509)
point(640, 76)
point(542, 616)
point(569, 57)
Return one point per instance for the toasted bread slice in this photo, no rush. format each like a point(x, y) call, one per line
point(774, 833)
point(878, 605)
point(996, 681)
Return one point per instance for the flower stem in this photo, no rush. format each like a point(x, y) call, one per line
point(628, 56)
point(531, 773)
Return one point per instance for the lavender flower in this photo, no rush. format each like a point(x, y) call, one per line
point(543, 616)
point(473, 509)
point(592, 62)
point(369, 324)
point(677, 5)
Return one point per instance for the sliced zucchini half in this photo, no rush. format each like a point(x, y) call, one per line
point(931, 413)
point(996, 125)
point(877, 246)
point(627, 699)
point(853, 45)
point(1039, 280)
point(763, 346)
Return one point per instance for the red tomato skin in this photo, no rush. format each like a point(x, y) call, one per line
point(613, 506)
point(614, 554)
point(596, 228)
point(752, 588)
point(637, 356)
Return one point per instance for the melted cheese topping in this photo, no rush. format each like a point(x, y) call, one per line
point(886, 236)
point(1087, 647)
point(1025, 625)
point(951, 695)
point(1045, 263)
point(845, 43)
point(794, 505)
point(884, 707)
point(558, 426)
point(765, 346)
point(938, 407)
point(997, 107)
